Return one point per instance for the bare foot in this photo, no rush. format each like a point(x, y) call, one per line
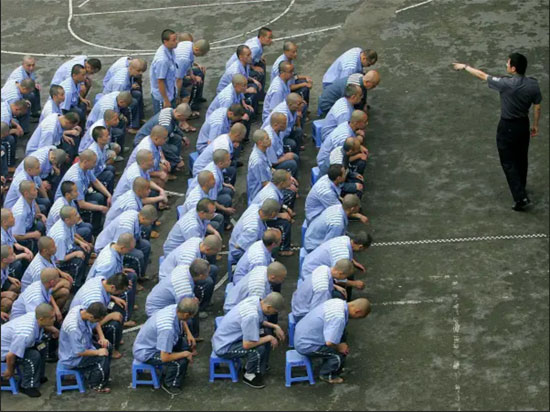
point(116, 355)
point(130, 323)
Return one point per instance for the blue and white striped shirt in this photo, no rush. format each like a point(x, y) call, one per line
point(290, 118)
point(164, 67)
point(313, 291)
point(221, 142)
point(147, 144)
point(49, 107)
point(10, 92)
point(72, 93)
point(327, 254)
point(335, 139)
point(163, 118)
point(48, 133)
point(53, 215)
point(126, 222)
point(107, 102)
point(107, 263)
point(233, 69)
point(331, 223)
point(87, 139)
point(23, 214)
point(82, 178)
point(259, 171)
point(120, 81)
point(184, 254)
point(215, 125)
point(63, 237)
point(225, 98)
point(323, 194)
point(6, 114)
point(255, 255)
point(91, 291)
point(127, 201)
point(121, 63)
point(170, 290)
point(75, 337)
point(33, 271)
point(20, 334)
point(275, 151)
point(348, 63)
point(43, 156)
point(20, 73)
point(255, 283)
point(64, 71)
point(249, 229)
point(184, 58)
point(126, 181)
point(101, 154)
point(13, 192)
point(340, 112)
point(269, 191)
point(218, 176)
point(277, 93)
point(192, 197)
point(188, 226)
point(27, 301)
point(256, 51)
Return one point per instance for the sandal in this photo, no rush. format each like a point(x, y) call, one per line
point(229, 227)
point(102, 390)
point(130, 323)
point(286, 252)
point(164, 207)
point(333, 381)
point(194, 115)
point(189, 128)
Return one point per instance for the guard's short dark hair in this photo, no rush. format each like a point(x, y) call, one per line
point(97, 132)
point(263, 31)
point(119, 281)
point(77, 68)
point(97, 310)
point(166, 33)
point(241, 49)
point(66, 187)
point(334, 172)
point(361, 238)
point(95, 64)
point(72, 117)
point(203, 205)
point(55, 89)
point(519, 61)
point(236, 109)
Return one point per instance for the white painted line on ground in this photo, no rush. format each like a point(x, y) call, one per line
point(221, 282)
point(82, 4)
point(408, 302)
point(174, 193)
point(189, 6)
point(456, 343)
point(413, 6)
point(72, 55)
point(461, 239)
point(137, 327)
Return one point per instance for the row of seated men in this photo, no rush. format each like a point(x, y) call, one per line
point(63, 218)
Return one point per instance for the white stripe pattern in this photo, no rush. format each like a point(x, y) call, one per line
point(320, 278)
point(257, 281)
point(165, 319)
point(10, 92)
point(91, 292)
point(248, 308)
point(165, 117)
point(180, 280)
point(334, 309)
point(70, 324)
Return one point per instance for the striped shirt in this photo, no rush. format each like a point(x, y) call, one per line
point(91, 291)
point(10, 92)
point(121, 63)
point(256, 51)
point(221, 142)
point(215, 125)
point(126, 222)
point(323, 194)
point(7, 237)
point(43, 156)
point(184, 254)
point(231, 70)
point(48, 133)
point(269, 191)
point(218, 177)
point(147, 144)
point(64, 71)
point(160, 333)
point(27, 301)
point(192, 197)
point(325, 323)
point(107, 263)
point(75, 336)
point(126, 181)
point(49, 107)
point(63, 237)
point(107, 102)
point(184, 58)
point(313, 291)
point(23, 214)
point(6, 114)
point(13, 192)
point(163, 118)
point(242, 323)
point(82, 178)
point(348, 63)
point(335, 139)
point(255, 283)
point(120, 81)
point(275, 151)
point(340, 112)
point(328, 254)
point(331, 223)
point(53, 215)
point(259, 171)
point(164, 67)
point(127, 201)
point(224, 98)
point(275, 68)
point(87, 139)
point(277, 93)
point(101, 154)
point(255, 255)
point(72, 93)
point(170, 290)
point(290, 118)
point(20, 73)
point(248, 229)
point(336, 157)
point(188, 226)
point(19, 334)
point(33, 271)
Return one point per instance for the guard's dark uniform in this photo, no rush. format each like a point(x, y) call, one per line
point(517, 93)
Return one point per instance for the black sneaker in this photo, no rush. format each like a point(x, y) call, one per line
point(43, 379)
point(51, 358)
point(200, 99)
point(171, 390)
point(32, 392)
point(257, 382)
point(521, 205)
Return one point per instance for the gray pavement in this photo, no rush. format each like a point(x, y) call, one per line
point(456, 325)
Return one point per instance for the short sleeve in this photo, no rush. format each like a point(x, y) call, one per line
point(18, 345)
point(250, 328)
point(333, 330)
point(162, 69)
point(497, 83)
point(19, 228)
point(79, 343)
point(165, 342)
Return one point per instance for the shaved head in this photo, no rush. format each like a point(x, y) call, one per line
point(239, 79)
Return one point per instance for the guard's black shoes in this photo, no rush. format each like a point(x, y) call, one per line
point(521, 205)
point(257, 382)
point(32, 392)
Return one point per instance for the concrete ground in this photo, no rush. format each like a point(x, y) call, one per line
point(460, 299)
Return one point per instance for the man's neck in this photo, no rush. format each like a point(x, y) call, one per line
point(45, 256)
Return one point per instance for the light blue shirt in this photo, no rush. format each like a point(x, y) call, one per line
point(221, 142)
point(126, 222)
point(7, 237)
point(13, 192)
point(33, 271)
point(312, 292)
point(87, 140)
point(275, 69)
point(242, 323)
point(331, 223)
point(348, 63)
point(259, 171)
point(335, 139)
point(43, 156)
point(126, 181)
point(72, 93)
point(48, 133)
point(269, 191)
point(101, 154)
point(75, 337)
point(20, 73)
point(184, 254)
point(184, 58)
point(164, 118)
point(147, 144)
point(49, 107)
point(290, 118)
point(107, 102)
point(120, 81)
point(255, 255)
point(323, 194)
point(340, 112)
point(277, 93)
point(10, 92)
point(82, 178)
point(218, 176)
point(127, 201)
point(255, 283)
point(325, 323)
point(160, 333)
point(164, 67)
point(256, 51)
point(7, 115)
point(327, 254)
point(19, 334)
point(192, 197)
point(188, 226)
point(108, 263)
point(249, 229)
point(53, 215)
point(91, 291)
point(170, 290)
point(275, 151)
point(24, 214)
point(27, 301)
point(225, 98)
point(64, 71)
point(215, 125)
point(63, 237)
point(121, 63)
point(235, 68)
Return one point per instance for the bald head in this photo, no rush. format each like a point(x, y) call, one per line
point(149, 213)
point(44, 310)
point(59, 156)
point(280, 176)
point(204, 177)
point(239, 79)
point(159, 132)
point(351, 202)
point(5, 214)
point(48, 274)
point(289, 45)
point(212, 243)
point(4, 129)
point(109, 115)
point(276, 271)
point(259, 136)
point(359, 308)
point(143, 155)
point(88, 155)
point(271, 237)
point(5, 251)
point(140, 184)
point(183, 110)
point(124, 97)
point(344, 266)
point(358, 116)
point(30, 162)
point(275, 300)
point(45, 242)
point(126, 241)
point(219, 156)
point(201, 47)
point(371, 79)
point(293, 99)
point(278, 120)
point(238, 130)
point(67, 212)
point(270, 207)
point(26, 186)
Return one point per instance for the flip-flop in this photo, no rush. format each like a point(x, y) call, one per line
point(190, 128)
point(102, 390)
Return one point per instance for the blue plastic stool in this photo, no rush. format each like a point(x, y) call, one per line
point(179, 211)
point(291, 328)
point(60, 373)
point(303, 254)
point(228, 288)
point(192, 157)
point(97, 97)
point(293, 360)
point(316, 131)
point(217, 321)
point(315, 174)
point(304, 229)
point(13, 382)
point(233, 364)
point(138, 367)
